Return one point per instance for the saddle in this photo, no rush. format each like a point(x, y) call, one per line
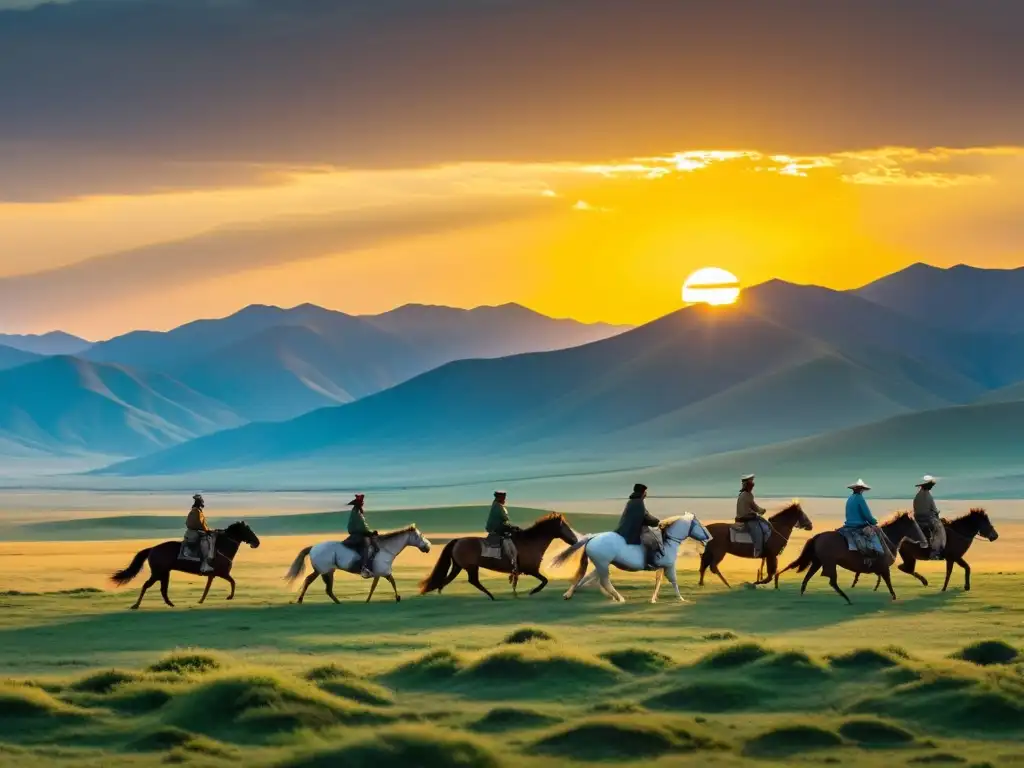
point(491, 547)
point(739, 533)
point(190, 551)
point(868, 542)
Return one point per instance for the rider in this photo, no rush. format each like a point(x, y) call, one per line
point(927, 516)
point(635, 521)
point(859, 517)
point(748, 512)
point(361, 536)
point(500, 529)
point(196, 530)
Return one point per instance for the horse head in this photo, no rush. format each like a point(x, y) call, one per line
point(554, 525)
point(904, 526)
point(418, 540)
point(985, 527)
point(241, 531)
point(794, 509)
point(685, 526)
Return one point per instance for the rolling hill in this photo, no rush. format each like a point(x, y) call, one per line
point(65, 405)
point(790, 361)
point(53, 343)
point(11, 357)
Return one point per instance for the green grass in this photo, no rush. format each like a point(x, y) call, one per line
point(740, 677)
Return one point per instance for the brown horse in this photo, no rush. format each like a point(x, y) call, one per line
point(782, 525)
point(163, 558)
point(531, 544)
point(827, 550)
point(960, 534)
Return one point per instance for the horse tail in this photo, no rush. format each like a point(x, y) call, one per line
point(123, 577)
point(564, 555)
point(439, 575)
point(298, 567)
point(806, 559)
point(582, 570)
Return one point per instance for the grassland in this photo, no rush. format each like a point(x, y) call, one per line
point(733, 678)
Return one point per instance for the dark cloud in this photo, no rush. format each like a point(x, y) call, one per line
point(30, 299)
point(402, 82)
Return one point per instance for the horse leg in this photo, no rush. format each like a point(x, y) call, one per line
point(580, 584)
point(149, 583)
point(718, 573)
point(810, 574)
point(771, 565)
point(474, 578)
point(967, 573)
point(610, 589)
point(878, 583)
point(329, 582)
point(306, 584)
point(209, 581)
point(165, 581)
point(856, 578)
point(908, 566)
point(456, 570)
point(231, 581)
point(949, 572)
point(391, 581)
point(674, 581)
point(372, 587)
point(543, 582)
point(833, 581)
point(888, 582)
point(657, 586)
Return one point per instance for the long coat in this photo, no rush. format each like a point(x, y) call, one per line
point(747, 508)
point(497, 521)
point(634, 517)
point(857, 513)
point(196, 520)
point(357, 523)
point(924, 507)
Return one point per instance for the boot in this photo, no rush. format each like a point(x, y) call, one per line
point(205, 566)
point(368, 554)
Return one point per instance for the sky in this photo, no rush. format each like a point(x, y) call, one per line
point(163, 160)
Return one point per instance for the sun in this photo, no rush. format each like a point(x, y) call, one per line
point(711, 285)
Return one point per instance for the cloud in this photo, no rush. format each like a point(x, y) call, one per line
point(183, 84)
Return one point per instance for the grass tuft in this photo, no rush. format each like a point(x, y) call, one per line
point(875, 733)
point(791, 740)
point(732, 656)
point(638, 661)
point(529, 665)
point(186, 664)
point(864, 660)
point(939, 758)
point(617, 739)
point(988, 652)
point(792, 667)
point(429, 669)
point(528, 635)
point(103, 682)
point(402, 748)
point(501, 719)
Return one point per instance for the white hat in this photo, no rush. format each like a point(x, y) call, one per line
point(746, 477)
point(859, 484)
point(927, 479)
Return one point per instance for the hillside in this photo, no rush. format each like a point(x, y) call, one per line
point(53, 343)
point(65, 405)
point(12, 358)
point(700, 379)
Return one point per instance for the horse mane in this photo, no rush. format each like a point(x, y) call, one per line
point(399, 532)
point(896, 517)
point(544, 522)
point(974, 514)
point(793, 506)
point(664, 524)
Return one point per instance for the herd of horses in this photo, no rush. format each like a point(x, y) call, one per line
point(825, 552)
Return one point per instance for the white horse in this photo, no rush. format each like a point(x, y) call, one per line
point(608, 549)
point(330, 556)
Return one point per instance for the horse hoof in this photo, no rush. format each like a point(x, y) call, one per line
point(398, 598)
point(134, 608)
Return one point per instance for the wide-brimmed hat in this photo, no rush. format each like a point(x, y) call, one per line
point(357, 501)
point(928, 480)
point(861, 485)
point(500, 494)
point(746, 478)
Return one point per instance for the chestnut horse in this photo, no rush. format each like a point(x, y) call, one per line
point(466, 554)
point(163, 558)
point(826, 551)
point(960, 534)
point(782, 525)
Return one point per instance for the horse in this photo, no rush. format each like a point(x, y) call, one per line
point(163, 558)
point(827, 550)
point(960, 534)
point(467, 554)
point(329, 556)
point(607, 549)
point(782, 524)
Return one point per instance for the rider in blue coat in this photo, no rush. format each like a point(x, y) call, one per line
point(859, 517)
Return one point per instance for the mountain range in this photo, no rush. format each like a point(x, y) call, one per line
point(787, 364)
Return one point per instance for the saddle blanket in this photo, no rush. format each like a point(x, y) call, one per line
point(189, 552)
point(739, 533)
point(866, 541)
point(487, 551)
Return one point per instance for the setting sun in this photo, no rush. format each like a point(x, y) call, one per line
point(711, 285)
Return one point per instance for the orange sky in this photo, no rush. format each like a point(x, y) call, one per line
point(611, 240)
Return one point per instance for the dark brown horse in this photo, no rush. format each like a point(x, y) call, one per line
point(960, 534)
point(782, 525)
point(163, 558)
point(828, 550)
point(466, 554)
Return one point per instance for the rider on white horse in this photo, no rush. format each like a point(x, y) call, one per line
point(635, 522)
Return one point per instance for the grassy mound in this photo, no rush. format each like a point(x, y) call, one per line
point(431, 668)
point(103, 682)
point(177, 741)
point(875, 733)
point(139, 698)
point(27, 701)
point(939, 758)
point(712, 696)
point(529, 666)
point(637, 661)
point(611, 740)
point(528, 635)
point(258, 705)
point(186, 664)
point(791, 740)
point(792, 667)
point(501, 719)
point(988, 652)
point(864, 660)
point(732, 656)
point(402, 748)
point(720, 636)
point(359, 691)
point(328, 673)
